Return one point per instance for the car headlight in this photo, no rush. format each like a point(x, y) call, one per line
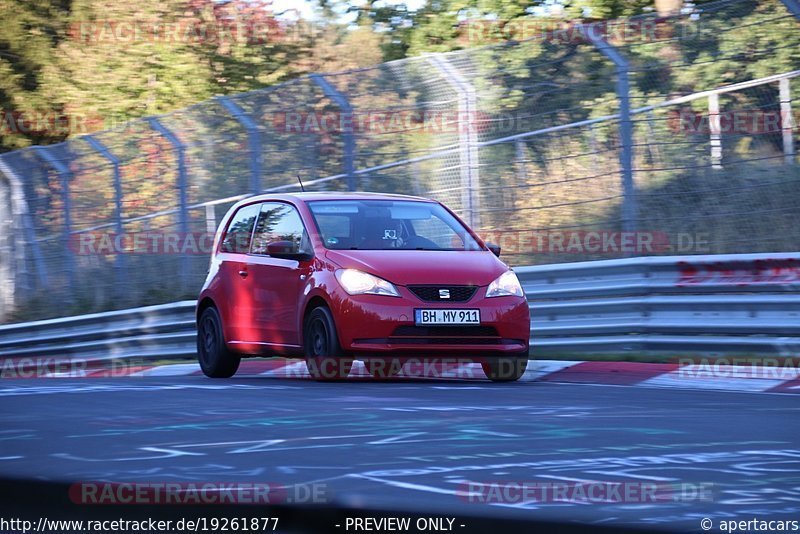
point(356, 282)
point(507, 284)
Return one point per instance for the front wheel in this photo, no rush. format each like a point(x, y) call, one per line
point(505, 369)
point(215, 359)
point(324, 358)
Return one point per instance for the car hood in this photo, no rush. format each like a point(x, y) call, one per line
point(404, 267)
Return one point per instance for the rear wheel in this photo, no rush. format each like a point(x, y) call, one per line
point(505, 369)
point(383, 369)
point(215, 359)
point(324, 358)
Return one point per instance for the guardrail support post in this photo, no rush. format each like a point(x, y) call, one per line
point(119, 260)
point(348, 138)
point(787, 121)
point(630, 213)
point(253, 140)
point(65, 174)
point(183, 212)
point(467, 138)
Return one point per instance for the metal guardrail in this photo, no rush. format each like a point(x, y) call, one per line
point(148, 333)
point(724, 303)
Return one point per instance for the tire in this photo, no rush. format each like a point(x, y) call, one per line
point(383, 369)
point(216, 360)
point(324, 358)
point(505, 369)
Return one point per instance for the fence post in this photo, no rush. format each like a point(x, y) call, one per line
point(65, 175)
point(629, 203)
point(23, 230)
point(119, 260)
point(416, 186)
point(521, 161)
point(253, 140)
point(7, 267)
point(467, 138)
point(787, 121)
point(211, 219)
point(715, 131)
point(348, 138)
point(593, 145)
point(183, 212)
point(653, 152)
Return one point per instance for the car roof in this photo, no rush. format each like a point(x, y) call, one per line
point(333, 195)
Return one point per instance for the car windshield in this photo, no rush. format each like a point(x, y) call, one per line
point(389, 225)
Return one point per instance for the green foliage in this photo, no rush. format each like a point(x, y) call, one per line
point(744, 45)
point(605, 9)
point(443, 25)
point(30, 31)
point(79, 61)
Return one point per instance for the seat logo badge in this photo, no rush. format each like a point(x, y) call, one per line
point(444, 293)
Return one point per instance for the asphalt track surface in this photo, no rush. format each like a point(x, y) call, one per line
point(415, 444)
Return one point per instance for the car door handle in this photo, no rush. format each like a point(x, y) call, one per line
point(243, 273)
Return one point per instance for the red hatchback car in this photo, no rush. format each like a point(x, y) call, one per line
point(333, 277)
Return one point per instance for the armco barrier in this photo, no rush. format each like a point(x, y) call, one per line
point(727, 303)
point(152, 332)
point(723, 303)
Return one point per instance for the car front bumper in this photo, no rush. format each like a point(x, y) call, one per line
point(384, 326)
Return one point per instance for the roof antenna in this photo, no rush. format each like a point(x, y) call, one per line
point(303, 189)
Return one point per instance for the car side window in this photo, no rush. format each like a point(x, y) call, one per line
point(240, 229)
point(279, 222)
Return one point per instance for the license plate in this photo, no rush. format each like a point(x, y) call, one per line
point(447, 316)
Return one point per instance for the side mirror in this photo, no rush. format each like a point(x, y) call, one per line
point(494, 248)
point(286, 250)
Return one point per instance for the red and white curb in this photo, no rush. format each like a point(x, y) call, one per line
point(658, 375)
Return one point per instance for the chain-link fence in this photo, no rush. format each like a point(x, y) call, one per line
point(580, 142)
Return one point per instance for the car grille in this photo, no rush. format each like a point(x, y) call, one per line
point(439, 341)
point(445, 335)
point(448, 341)
point(445, 331)
point(431, 293)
